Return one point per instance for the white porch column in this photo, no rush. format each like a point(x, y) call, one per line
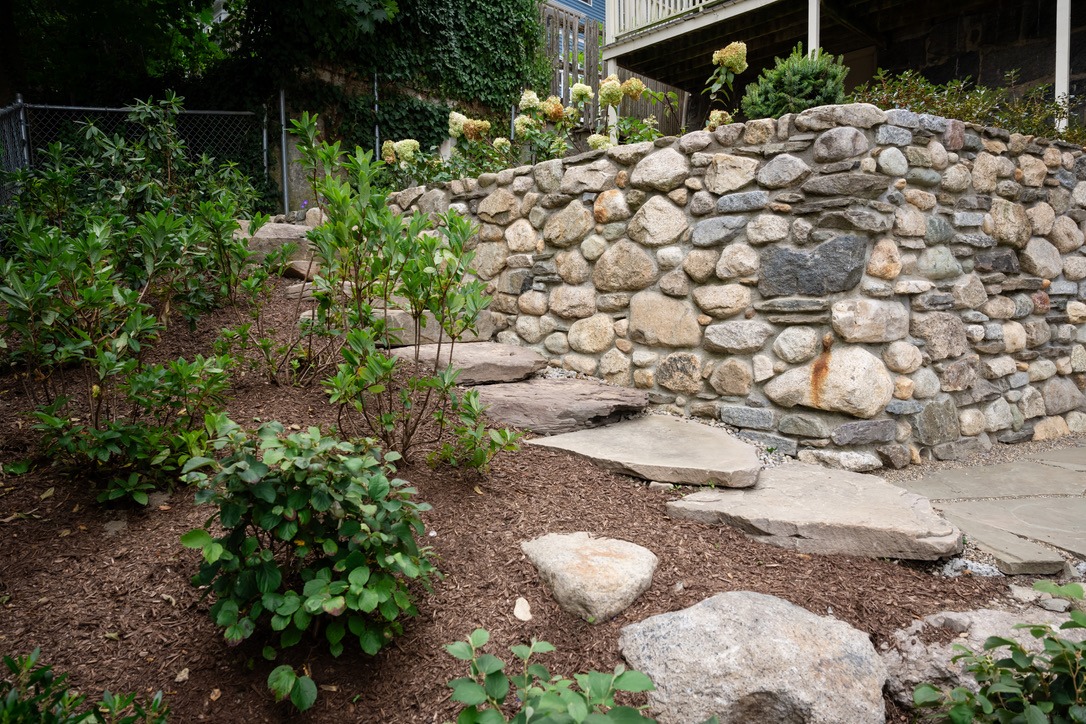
point(814, 25)
point(1063, 53)
point(610, 67)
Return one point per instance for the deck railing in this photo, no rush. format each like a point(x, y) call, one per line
point(629, 16)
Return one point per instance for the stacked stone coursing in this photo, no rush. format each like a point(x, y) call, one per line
point(854, 286)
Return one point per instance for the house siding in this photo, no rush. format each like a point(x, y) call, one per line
point(595, 9)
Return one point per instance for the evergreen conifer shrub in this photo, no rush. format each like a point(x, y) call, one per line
point(795, 84)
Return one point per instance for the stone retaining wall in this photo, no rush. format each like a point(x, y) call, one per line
point(854, 286)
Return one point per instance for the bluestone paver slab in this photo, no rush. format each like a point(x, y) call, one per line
point(999, 481)
point(1057, 521)
point(1071, 458)
point(1013, 555)
point(666, 449)
point(812, 509)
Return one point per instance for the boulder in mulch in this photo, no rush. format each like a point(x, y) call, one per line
point(594, 578)
point(922, 652)
point(810, 509)
point(665, 449)
point(550, 407)
point(747, 657)
point(480, 363)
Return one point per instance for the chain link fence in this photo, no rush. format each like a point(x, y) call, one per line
point(27, 128)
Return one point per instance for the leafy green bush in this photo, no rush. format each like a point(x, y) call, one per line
point(538, 696)
point(316, 538)
point(1045, 687)
point(31, 692)
point(473, 444)
point(1029, 112)
point(795, 84)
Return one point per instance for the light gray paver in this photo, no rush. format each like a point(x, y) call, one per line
point(1000, 481)
point(815, 510)
point(666, 449)
point(1058, 521)
point(1072, 458)
point(1013, 555)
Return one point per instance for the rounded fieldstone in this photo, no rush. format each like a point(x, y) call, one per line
point(611, 206)
point(782, 171)
point(572, 267)
point(522, 238)
point(892, 162)
point(556, 343)
point(657, 223)
point(797, 344)
point(1066, 235)
point(593, 247)
point(840, 143)
point(925, 383)
point(729, 173)
point(868, 320)
point(663, 170)
point(971, 422)
point(568, 226)
point(722, 300)
point(957, 179)
point(737, 260)
point(534, 303)
point(573, 302)
point(624, 267)
point(767, 228)
point(885, 260)
point(699, 264)
point(680, 372)
point(592, 335)
point(1041, 258)
point(732, 377)
point(1042, 218)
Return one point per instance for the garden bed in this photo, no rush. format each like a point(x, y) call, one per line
point(110, 602)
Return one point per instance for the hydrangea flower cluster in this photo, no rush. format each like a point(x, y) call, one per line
point(476, 130)
point(406, 149)
point(718, 118)
point(599, 142)
point(502, 144)
point(581, 93)
point(388, 152)
point(553, 109)
point(632, 88)
point(529, 101)
point(522, 124)
point(611, 91)
point(456, 124)
point(733, 57)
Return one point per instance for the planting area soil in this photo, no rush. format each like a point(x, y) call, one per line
point(105, 593)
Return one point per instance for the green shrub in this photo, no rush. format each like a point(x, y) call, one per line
point(1030, 112)
point(31, 692)
point(538, 696)
point(1045, 687)
point(795, 84)
point(316, 538)
point(473, 444)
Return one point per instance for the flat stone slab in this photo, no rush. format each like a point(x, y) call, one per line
point(550, 407)
point(480, 363)
point(1072, 458)
point(812, 509)
point(1060, 522)
point(1000, 481)
point(1013, 555)
point(665, 449)
point(594, 578)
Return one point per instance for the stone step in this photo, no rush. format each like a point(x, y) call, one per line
point(481, 363)
point(551, 407)
point(1013, 555)
point(1000, 481)
point(811, 509)
point(665, 449)
point(1058, 521)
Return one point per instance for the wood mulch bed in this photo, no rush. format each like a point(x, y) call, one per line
point(105, 592)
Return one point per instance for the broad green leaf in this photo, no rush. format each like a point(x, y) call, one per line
point(196, 538)
point(1034, 715)
point(467, 692)
point(304, 693)
point(196, 462)
point(479, 637)
point(460, 650)
point(633, 681)
point(488, 664)
point(926, 694)
point(496, 685)
point(281, 681)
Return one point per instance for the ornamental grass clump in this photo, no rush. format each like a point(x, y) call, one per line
point(795, 84)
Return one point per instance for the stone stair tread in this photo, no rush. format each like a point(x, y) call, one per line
point(554, 406)
point(1014, 555)
point(665, 449)
point(480, 363)
point(1058, 521)
point(812, 509)
point(1000, 481)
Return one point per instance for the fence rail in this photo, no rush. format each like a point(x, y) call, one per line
point(628, 16)
point(573, 45)
point(28, 128)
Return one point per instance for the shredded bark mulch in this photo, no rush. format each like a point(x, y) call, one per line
point(105, 593)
